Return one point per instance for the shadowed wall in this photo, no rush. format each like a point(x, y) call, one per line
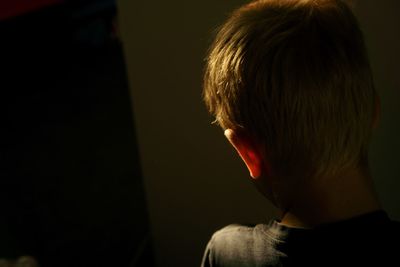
point(195, 183)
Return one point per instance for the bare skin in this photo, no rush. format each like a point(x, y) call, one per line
point(339, 198)
point(331, 199)
point(347, 195)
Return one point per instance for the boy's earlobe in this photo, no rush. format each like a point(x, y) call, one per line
point(247, 151)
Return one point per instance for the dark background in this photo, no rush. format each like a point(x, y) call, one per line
point(71, 187)
point(195, 183)
point(71, 191)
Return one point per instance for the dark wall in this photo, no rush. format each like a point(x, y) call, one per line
point(380, 22)
point(71, 191)
point(195, 183)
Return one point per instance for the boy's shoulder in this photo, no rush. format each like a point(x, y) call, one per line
point(245, 233)
point(240, 245)
point(271, 244)
point(235, 228)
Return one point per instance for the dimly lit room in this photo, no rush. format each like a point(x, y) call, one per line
point(109, 155)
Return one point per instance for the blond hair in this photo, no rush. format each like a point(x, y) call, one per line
point(295, 75)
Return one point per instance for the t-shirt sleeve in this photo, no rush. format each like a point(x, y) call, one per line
point(207, 260)
point(227, 246)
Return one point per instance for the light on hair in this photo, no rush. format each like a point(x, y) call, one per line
point(295, 75)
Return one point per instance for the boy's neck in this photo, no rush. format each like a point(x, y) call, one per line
point(336, 199)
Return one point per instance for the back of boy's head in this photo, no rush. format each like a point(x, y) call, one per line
point(294, 75)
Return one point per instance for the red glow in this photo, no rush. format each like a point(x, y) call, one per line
point(12, 8)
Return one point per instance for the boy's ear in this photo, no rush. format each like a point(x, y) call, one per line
point(247, 150)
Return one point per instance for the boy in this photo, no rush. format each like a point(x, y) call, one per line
point(290, 83)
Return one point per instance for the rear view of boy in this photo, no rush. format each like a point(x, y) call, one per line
point(289, 81)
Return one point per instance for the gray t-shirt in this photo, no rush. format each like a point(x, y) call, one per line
point(368, 240)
